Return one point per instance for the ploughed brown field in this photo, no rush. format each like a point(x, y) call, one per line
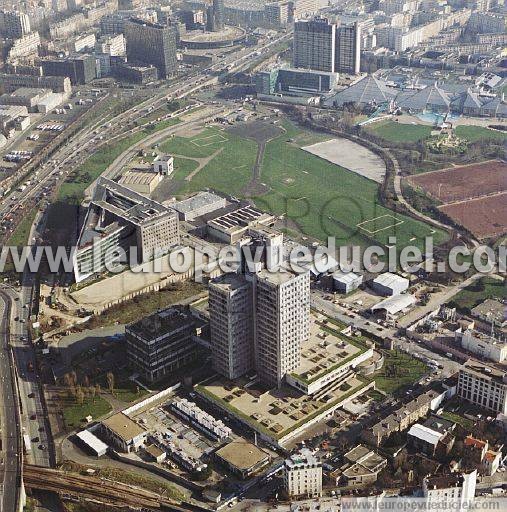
point(465, 182)
point(474, 196)
point(485, 217)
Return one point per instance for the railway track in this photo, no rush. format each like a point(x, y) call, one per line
point(112, 494)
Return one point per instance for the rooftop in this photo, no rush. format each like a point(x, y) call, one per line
point(165, 322)
point(240, 218)
point(122, 426)
point(389, 279)
point(491, 309)
point(325, 351)
point(303, 457)
point(196, 202)
point(484, 371)
point(425, 434)
point(274, 412)
point(138, 178)
point(242, 455)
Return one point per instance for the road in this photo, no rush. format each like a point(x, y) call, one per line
point(10, 453)
point(448, 366)
point(80, 147)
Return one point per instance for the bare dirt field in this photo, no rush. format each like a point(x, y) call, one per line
point(484, 217)
point(462, 183)
point(351, 156)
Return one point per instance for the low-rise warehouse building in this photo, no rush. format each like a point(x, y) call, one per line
point(242, 458)
point(92, 443)
point(395, 304)
point(123, 433)
point(200, 204)
point(346, 282)
point(390, 284)
point(141, 182)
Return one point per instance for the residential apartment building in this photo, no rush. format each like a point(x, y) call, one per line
point(348, 48)
point(278, 14)
point(282, 321)
point(14, 24)
point(302, 475)
point(320, 45)
point(405, 416)
point(12, 82)
point(456, 488)
point(231, 325)
point(112, 45)
point(303, 8)
point(152, 43)
point(259, 318)
point(483, 385)
point(163, 342)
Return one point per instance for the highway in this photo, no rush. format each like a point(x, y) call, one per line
point(11, 449)
point(104, 130)
point(33, 421)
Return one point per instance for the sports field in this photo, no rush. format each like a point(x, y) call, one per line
point(400, 132)
point(322, 198)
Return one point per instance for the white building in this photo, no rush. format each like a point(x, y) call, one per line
point(451, 489)
point(484, 386)
point(231, 324)
point(124, 434)
point(303, 475)
point(164, 165)
point(390, 284)
point(282, 323)
point(113, 45)
point(486, 347)
point(346, 282)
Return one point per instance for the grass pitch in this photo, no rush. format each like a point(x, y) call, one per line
point(400, 132)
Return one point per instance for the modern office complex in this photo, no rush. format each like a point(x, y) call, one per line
point(314, 45)
point(302, 475)
point(81, 69)
point(483, 385)
point(259, 318)
point(161, 343)
point(119, 218)
point(14, 24)
point(320, 45)
point(152, 43)
point(348, 48)
point(297, 82)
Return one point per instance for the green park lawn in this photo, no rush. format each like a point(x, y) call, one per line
point(75, 414)
point(475, 133)
point(399, 370)
point(327, 200)
point(322, 198)
point(400, 132)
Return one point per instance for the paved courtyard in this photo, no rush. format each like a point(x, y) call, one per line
point(351, 156)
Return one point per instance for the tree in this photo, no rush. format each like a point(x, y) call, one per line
point(80, 396)
point(110, 382)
